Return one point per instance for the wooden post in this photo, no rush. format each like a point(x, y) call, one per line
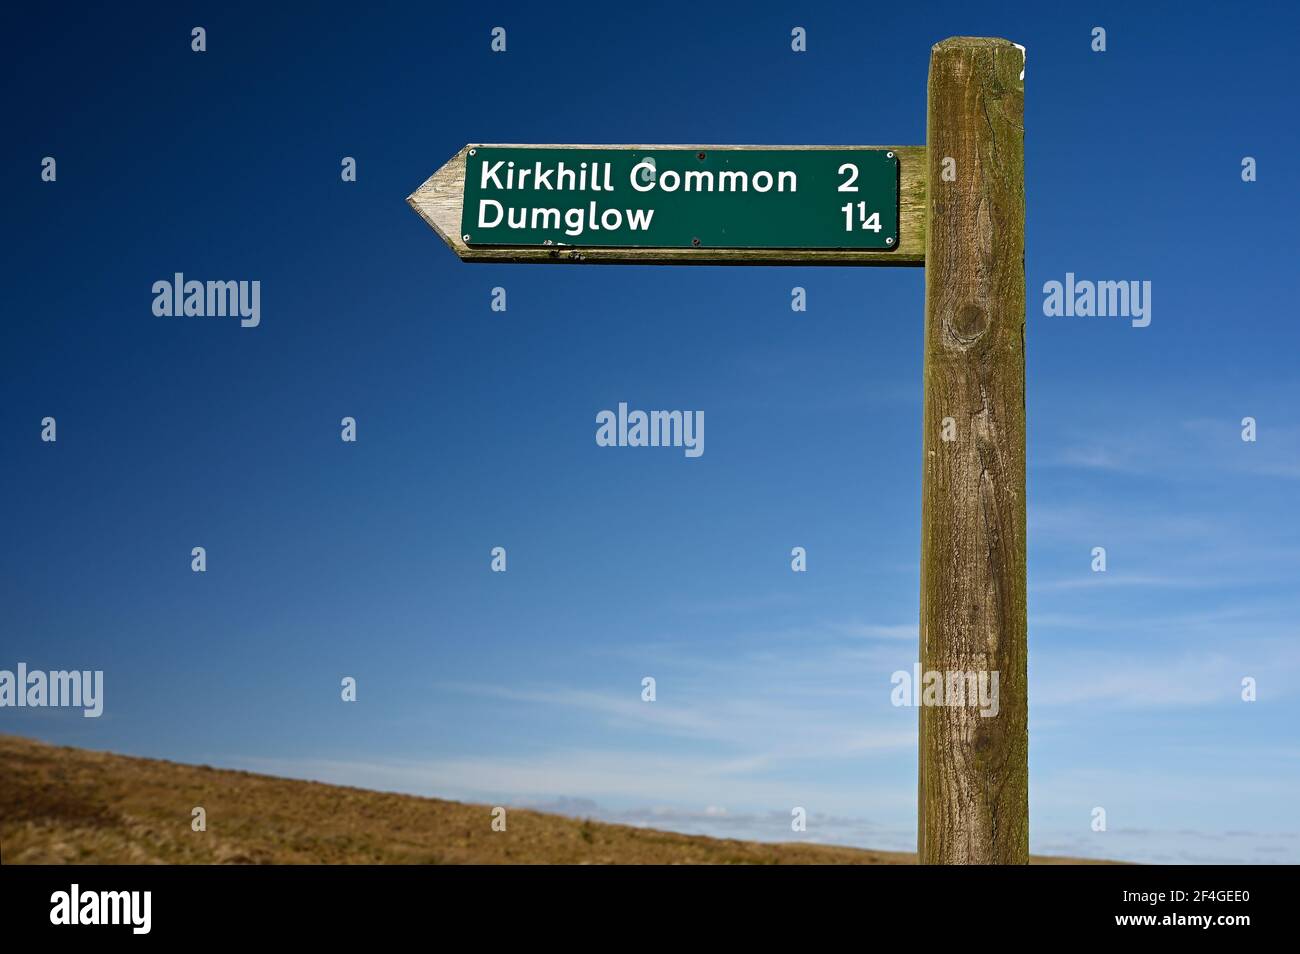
point(974, 769)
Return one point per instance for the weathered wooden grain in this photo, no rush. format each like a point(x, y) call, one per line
point(439, 201)
point(973, 793)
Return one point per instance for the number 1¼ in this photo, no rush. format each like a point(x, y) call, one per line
point(867, 222)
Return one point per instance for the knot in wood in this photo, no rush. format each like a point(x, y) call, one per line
point(968, 324)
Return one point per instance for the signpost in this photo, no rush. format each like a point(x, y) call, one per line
point(681, 198)
point(681, 205)
point(956, 206)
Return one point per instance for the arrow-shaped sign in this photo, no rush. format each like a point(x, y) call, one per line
point(766, 205)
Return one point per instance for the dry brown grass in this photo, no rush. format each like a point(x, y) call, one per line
point(63, 805)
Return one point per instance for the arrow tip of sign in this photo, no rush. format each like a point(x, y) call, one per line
point(438, 200)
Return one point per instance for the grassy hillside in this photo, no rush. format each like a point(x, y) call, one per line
point(64, 805)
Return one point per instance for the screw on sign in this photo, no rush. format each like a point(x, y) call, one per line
point(852, 205)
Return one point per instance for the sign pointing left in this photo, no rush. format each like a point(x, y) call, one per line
point(765, 205)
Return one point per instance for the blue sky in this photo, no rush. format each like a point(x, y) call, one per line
point(476, 428)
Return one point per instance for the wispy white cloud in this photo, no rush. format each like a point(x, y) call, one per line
point(672, 780)
point(1127, 680)
point(699, 796)
point(1101, 580)
point(1194, 450)
point(759, 729)
point(898, 631)
point(1092, 457)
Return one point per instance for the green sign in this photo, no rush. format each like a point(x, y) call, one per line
point(681, 198)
